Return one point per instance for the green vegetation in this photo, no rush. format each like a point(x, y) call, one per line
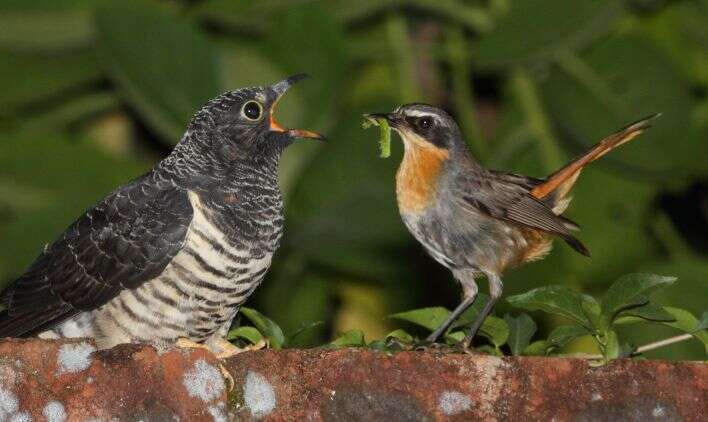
point(625, 302)
point(93, 92)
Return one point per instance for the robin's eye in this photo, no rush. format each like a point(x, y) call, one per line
point(252, 110)
point(425, 122)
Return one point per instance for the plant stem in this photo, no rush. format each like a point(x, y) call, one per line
point(647, 347)
point(662, 343)
point(463, 95)
point(527, 95)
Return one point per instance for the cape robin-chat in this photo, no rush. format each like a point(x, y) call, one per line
point(479, 222)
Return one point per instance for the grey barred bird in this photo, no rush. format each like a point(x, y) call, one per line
point(173, 254)
point(474, 221)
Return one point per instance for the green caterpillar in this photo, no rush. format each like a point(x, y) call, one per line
point(385, 134)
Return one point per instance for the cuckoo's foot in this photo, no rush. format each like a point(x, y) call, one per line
point(228, 349)
point(184, 343)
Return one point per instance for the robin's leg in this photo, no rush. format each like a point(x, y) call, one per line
point(469, 294)
point(495, 291)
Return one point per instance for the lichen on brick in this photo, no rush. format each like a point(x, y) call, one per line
point(258, 395)
point(21, 417)
point(218, 412)
point(74, 357)
point(8, 403)
point(54, 412)
point(453, 402)
point(204, 381)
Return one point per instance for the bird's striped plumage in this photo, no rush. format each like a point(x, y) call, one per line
point(174, 253)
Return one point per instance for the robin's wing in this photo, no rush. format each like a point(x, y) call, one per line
point(506, 199)
point(125, 240)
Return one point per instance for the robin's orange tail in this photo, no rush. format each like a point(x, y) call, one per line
point(562, 180)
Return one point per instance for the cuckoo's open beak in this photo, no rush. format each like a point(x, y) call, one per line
point(280, 89)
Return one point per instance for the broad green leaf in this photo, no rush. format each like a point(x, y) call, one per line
point(539, 29)
point(454, 337)
point(167, 72)
point(26, 78)
point(245, 332)
point(521, 330)
point(558, 300)
point(352, 338)
point(45, 25)
point(538, 348)
point(60, 118)
point(304, 328)
point(430, 318)
point(485, 348)
point(379, 345)
point(495, 329)
point(703, 322)
point(562, 335)
point(631, 290)
point(649, 312)
point(592, 311)
point(605, 88)
point(686, 322)
point(266, 326)
point(401, 335)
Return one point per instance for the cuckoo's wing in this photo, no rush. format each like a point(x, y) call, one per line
point(507, 200)
point(123, 241)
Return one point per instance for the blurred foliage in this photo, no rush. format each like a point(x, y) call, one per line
point(95, 91)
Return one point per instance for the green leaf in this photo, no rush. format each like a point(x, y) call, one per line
point(245, 332)
point(303, 329)
point(605, 88)
point(352, 338)
point(632, 290)
point(45, 26)
point(430, 318)
point(539, 29)
point(401, 335)
point(166, 73)
point(266, 326)
point(686, 322)
point(538, 348)
point(703, 322)
point(562, 335)
point(495, 329)
point(592, 311)
point(649, 312)
point(558, 300)
point(521, 330)
point(28, 78)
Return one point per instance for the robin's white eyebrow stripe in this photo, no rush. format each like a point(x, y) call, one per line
point(416, 113)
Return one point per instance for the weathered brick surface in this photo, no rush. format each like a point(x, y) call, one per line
point(56, 381)
point(354, 385)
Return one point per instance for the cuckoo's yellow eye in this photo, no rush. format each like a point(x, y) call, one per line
point(252, 110)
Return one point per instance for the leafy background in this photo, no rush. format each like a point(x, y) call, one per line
point(92, 93)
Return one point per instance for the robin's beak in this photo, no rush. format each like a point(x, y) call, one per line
point(396, 120)
point(280, 89)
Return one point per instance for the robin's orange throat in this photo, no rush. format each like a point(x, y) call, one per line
point(416, 180)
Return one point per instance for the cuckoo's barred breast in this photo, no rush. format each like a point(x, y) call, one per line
point(199, 292)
